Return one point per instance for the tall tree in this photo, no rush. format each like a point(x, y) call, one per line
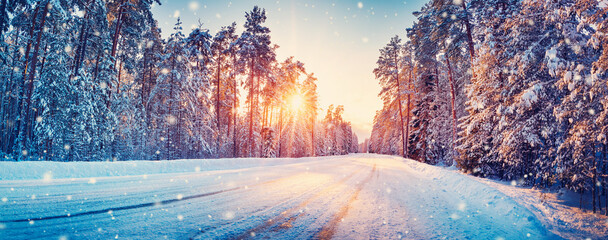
point(256, 52)
point(388, 73)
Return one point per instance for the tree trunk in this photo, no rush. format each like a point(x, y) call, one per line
point(30, 88)
point(117, 30)
point(7, 101)
point(407, 123)
point(83, 44)
point(312, 136)
point(594, 181)
point(235, 149)
point(21, 90)
point(580, 201)
point(217, 106)
point(467, 24)
point(453, 102)
point(280, 132)
point(403, 143)
point(251, 108)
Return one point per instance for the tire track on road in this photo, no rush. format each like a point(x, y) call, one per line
point(141, 205)
point(287, 217)
point(328, 231)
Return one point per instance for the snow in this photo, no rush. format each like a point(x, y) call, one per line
point(530, 96)
point(558, 210)
point(42, 169)
point(358, 196)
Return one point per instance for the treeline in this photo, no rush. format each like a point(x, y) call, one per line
point(94, 81)
point(513, 89)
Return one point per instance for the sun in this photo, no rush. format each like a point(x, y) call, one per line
point(296, 102)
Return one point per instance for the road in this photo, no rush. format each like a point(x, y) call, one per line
point(360, 196)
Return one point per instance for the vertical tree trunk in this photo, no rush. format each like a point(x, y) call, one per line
point(96, 71)
point(257, 110)
point(407, 123)
point(580, 201)
point(7, 101)
point(251, 108)
point(403, 143)
point(217, 107)
point(280, 132)
point(467, 24)
point(30, 88)
point(144, 84)
point(594, 180)
point(453, 103)
point(117, 29)
point(312, 136)
point(170, 112)
point(235, 149)
point(83, 43)
point(19, 102)
point(605, 170)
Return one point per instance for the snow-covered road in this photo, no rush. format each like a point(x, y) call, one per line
point(360, 196)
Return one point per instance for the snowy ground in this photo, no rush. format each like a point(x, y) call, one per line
point(359, 196)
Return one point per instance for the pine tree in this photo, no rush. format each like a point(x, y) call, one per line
point(255, 51)
point(224, 93)
point(167, 96)
point(389, 72)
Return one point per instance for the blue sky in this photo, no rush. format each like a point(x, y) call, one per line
point(337, 40)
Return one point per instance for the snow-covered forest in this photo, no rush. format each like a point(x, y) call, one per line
point(511, 89)
point(94, 81)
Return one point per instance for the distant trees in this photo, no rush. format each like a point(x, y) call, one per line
point(94, 81)
point(522, 83)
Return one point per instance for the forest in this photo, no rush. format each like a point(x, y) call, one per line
point(94, 81)
point(510, 89)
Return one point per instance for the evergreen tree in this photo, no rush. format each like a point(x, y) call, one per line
point(257, 54)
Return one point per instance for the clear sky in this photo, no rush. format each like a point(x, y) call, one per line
point(336, 40)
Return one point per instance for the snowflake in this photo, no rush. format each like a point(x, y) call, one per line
point(193, 5)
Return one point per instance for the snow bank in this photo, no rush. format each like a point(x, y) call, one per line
point(558, 213)
point(54, 170)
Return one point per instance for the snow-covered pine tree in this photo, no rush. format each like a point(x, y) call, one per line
point(223, 71)
point(483, 93)
point(197, 119)
point(148, 64)
point(441, 129)
point(309, 92)
point(426, 76)
point(389, 73)
point(573, 61)
point(257, 54)
point(269, 143)
point(167, 96)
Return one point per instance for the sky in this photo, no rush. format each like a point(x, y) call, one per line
point(338, 41)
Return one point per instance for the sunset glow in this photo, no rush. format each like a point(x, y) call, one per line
point(296, 102)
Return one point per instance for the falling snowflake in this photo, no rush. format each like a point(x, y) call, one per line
point(47, 176)
point(193, 5)
point(228, 215)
